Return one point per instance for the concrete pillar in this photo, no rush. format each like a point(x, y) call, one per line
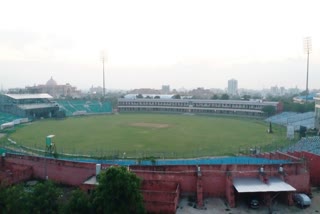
point(230, 191)
point(199, 188)
point(267, 198)
point(290, 199)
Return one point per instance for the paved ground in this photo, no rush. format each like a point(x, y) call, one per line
point(217, 205)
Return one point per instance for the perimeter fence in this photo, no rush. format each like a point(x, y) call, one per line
point(103, 154)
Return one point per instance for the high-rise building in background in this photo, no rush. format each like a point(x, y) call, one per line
point(233, 87)
point(165, 89)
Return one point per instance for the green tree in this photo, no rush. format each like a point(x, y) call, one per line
point(269, 110)
point(139, 96)
point(214, 97)
point(113, 101)
point(79, 202)
point(246, 97)
point(44, 198)
point(118, 192)
point(14, 199)
point(224, 97)
point(177, 96)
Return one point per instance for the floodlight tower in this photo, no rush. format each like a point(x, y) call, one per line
point(104, 87)
point(307, 50)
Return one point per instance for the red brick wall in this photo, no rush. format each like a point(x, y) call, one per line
point(67, 172)
point(313, 164)
point(159, 185)
point(160, 196)
point(13, 173)
point(300, 182)
point(213, 177)
point(184, 175)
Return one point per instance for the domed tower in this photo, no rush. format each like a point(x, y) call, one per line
point(52, 87)
point(51, 82)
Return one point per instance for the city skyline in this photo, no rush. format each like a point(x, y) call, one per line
point(184, 44)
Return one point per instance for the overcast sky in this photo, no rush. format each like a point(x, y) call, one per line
point(150, 43)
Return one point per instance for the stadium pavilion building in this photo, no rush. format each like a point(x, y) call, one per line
point(32, 106)
point(226, 107)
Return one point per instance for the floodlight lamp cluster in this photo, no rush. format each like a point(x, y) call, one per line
point(307, 45)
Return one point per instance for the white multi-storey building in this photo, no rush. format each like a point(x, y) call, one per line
point(226, 107)
point(233, 87)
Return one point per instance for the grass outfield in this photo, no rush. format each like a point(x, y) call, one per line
point(150, 135)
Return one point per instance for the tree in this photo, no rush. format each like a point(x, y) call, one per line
point(224, 97)
point(14, 199)
point(44, 198)
point(246, 97)
point(79, 202)
point(118, 192)
point(157, 97)
point(269, 110)
point(214, 97)
point(139, 96)
point(177, 96)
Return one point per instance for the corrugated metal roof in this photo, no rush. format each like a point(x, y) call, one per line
point(92, 181)
point(29, 96)
point(274, 184)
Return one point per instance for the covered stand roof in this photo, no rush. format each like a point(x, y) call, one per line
point(244, 185)
point(29, 96)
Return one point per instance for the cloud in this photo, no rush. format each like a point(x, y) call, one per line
point(26, 45)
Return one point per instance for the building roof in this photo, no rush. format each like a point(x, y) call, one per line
point(161, 96)
point(92, 181)
point(51, 82)
point(309, 97)
point(274, 184)
point(29, 96)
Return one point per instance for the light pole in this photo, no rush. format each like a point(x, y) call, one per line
point(307, 49)
point(104, 87)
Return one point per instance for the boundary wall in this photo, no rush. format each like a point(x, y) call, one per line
point(163, 184)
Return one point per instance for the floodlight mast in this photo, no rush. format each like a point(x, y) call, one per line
point(104, 87)
point(307, 50)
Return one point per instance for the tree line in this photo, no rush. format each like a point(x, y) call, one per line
point(118, 191)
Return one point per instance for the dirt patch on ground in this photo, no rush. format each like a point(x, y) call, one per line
point(151, 125)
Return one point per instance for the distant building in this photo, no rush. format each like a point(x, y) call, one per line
point(200, 93)
point(165, 89)
point(303, 99)
point(233, 87)
point(275, 91)
point(196, 106)
point(96, 90)
point(55, 90)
